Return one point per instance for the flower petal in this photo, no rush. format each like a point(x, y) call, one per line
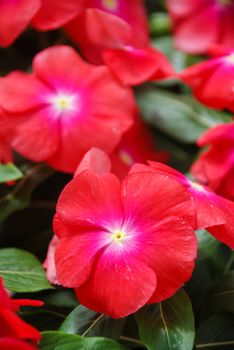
point(90, 200)
point(119, 285)
point(74, 256)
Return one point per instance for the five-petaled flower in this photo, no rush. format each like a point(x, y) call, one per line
point(124, 245)
point(65, 107)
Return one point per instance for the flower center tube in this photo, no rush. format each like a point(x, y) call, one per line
point(63, 102)
point(110, 4)
point(118, 236)
point(225, 2)
point(230, 58)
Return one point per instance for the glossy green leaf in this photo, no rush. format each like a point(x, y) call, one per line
point(84, 321)
point(223, 294)
point(207, 244)
point(168, 325)
point(63, 341)
point(21, 271)
point(9, 172)
point(181, 117)
point(78, 320)
point(20, 197)
point(216, 333)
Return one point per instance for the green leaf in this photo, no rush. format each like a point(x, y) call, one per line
point(63, 341)
point(20, 197)
point(84, 321)
point(216, 333)
point(207, 244)
point(78, 320)
point(21, 271)
point(223, 294)
point(9, 172)
point(160, 23)
point(167, 325)
point(180, 117)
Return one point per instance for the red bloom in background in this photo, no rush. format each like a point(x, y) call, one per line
point(15, 16)
point(200, 23)
point(107, 23)
point(136, 146)
point(5, 152)
point(14, 332)
point(212, 81)
point(65, 107)
point(53, 14)
point(116, 32)
point(213, 212)
point(215, 166)
point(112, 237)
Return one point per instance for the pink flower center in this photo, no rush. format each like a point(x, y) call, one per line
point(110, 5)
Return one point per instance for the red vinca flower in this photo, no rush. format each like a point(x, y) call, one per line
point(53, 14)
point(14, 332)
point(136, 146)
point(65, 107)
point(123, 245)
point(215, 166)
point(200, 23)
point(116, 32)
point(214, 213)
point(212, 81)
point(15, 16)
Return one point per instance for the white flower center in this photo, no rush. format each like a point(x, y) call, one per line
point(230, 58)
point(64, 102)
point(197, 187)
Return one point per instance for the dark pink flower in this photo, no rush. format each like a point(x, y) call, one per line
point(200, 23)
point(215, 166)
point(65, 107)
point(214, 213)
point(15, 17)
point(118, 36)
point(212, 81)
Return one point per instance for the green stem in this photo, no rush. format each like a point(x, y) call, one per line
point(93, 325)
point(210, 345)
point(131, 340)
